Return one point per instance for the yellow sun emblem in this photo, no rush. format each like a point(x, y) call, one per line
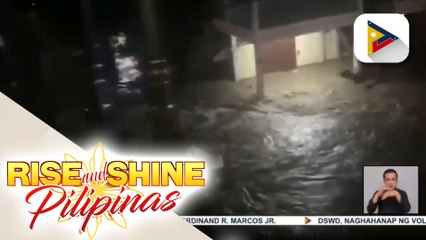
point(97, 164)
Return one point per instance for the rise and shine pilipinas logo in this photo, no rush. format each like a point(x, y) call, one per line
point(100, 190)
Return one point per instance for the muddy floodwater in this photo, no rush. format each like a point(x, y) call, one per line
point(297, 155)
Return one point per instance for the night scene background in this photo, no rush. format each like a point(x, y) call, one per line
point(268, 88)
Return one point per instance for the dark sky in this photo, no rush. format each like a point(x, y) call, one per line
point(66, 13)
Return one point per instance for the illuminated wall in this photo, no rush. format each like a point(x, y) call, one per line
point(310, 48)
point(316, 47)
point(243, 58)
point(331, 40)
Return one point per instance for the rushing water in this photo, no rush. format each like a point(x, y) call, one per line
point(299, 163)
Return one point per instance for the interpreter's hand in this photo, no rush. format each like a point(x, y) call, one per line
point(392, 193)
point(380, 193)
point(383, 190)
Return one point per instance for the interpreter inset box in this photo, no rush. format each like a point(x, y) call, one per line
point(391, 190)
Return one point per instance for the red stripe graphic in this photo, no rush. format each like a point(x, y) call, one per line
point(377, 47)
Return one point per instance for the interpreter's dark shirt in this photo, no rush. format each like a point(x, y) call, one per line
point(390, 205)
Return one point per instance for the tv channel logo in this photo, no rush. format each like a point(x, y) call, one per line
point(381, 38)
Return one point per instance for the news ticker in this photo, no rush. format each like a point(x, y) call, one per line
point(306, 220)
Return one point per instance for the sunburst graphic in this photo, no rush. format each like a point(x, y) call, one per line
point(97, 164)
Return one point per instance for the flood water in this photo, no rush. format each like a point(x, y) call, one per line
point(300, 162)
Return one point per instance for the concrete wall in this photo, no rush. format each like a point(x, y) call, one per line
point(243, 59)
point(310, 48)
point(317, 47)
point(332, 45)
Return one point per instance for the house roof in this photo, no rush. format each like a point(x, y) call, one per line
point(274, 13)
point(286, 18)
point(398, 6)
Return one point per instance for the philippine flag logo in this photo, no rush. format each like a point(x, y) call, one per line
point(378, 38)
point(387, 38)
